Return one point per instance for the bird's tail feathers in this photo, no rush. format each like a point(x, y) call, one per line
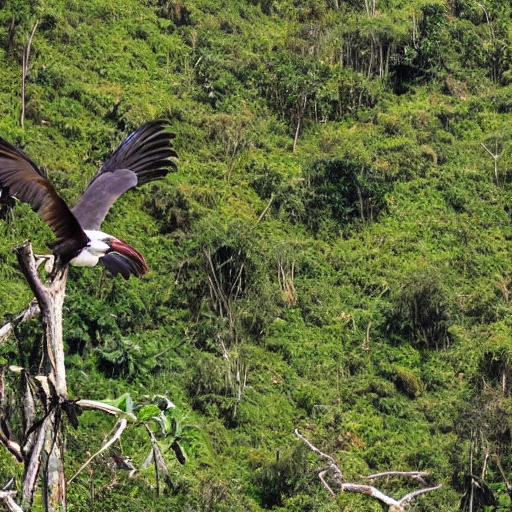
point(124, 260)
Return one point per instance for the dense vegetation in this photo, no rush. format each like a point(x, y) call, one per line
point(334, 253)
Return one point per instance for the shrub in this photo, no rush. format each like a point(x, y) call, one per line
point(334, 192)
point(282, 478)
point(421, 312)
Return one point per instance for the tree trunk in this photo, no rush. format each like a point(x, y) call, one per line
point(45, 453)
point(300, 114)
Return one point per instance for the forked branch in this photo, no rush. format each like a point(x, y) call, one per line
point(8, 498)
point(336, 475)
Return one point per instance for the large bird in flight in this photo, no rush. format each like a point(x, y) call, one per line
point(145, 155)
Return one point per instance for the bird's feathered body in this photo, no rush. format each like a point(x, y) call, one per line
point(145, 155)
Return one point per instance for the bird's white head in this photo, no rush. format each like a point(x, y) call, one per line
point(98, 243)
point(96, 248)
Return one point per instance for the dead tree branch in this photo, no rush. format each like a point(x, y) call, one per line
point(31, 311)
point(266, 209)
point(123, 423)
point(504, 476)
point(415, 475)
point(337, 476)
point(8, 498)
point(45, 402)
point(332, 467)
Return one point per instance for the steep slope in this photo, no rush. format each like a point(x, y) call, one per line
point(333, 254)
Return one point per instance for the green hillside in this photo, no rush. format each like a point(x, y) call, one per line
point(334, 253)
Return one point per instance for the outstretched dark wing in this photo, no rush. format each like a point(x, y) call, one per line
point(20, 178)
point(145, 155)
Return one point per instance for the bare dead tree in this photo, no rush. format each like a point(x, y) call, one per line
point(45, 396)
point(24, 70)
point(45, 451)
point(45, 400)
point(333, 471)
point(495, 156)
point(224, 294)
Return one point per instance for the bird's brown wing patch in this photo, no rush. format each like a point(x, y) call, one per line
point(21, 178)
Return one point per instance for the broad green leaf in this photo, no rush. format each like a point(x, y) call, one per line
point(124, 402)
point(147, 412)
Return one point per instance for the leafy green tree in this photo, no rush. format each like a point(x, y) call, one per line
point(332, 193)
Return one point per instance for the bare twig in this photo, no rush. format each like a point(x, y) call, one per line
point(495, 157)
point(300, 114)
point(266, 209)
point(366, 342)
point(321, 475)
point(409, 497)
point(332, 467)
point(123, 423)
point(31, 311)
point(312, 447)
point(24, 70)
point(504, 476)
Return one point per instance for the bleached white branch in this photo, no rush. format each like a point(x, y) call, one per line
point(8, 498)
point(103, 407)
point(395, 505)
point(415, 475)
point(371, 491)
point(315, 449)
point(123, 423)
point(409, 497)
point(5, 330)
point(266, 209)
point(31, 311)
point(321, 475)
